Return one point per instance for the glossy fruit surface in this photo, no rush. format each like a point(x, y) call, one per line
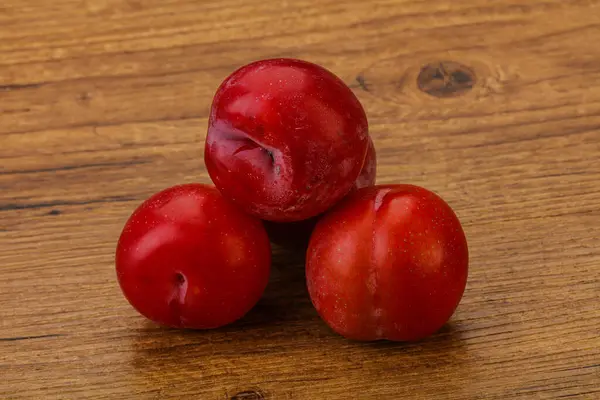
point(389, 262)
point(368, 173)
point(295, 235)
point(188, 258)
point(286, 139)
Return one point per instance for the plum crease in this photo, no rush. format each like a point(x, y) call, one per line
point(178, 294)
point(377, 316)
point(250, 144)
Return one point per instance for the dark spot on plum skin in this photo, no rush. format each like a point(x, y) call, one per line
point(271, 156)
point(179, 279)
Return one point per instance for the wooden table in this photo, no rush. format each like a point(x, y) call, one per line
point(494, 104)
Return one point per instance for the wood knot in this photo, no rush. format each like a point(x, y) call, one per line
point(248, 395)
point(446, 79)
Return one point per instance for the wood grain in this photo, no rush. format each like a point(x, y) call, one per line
point(104, 102)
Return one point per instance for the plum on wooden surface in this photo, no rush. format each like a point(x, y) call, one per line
point(188, 258)
point(388, 262)
point(286, 139)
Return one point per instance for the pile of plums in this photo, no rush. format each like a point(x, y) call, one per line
point(289, 152)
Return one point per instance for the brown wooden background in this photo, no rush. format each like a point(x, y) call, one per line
point(104, 102)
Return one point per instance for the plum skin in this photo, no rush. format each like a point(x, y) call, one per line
point(286, 139)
